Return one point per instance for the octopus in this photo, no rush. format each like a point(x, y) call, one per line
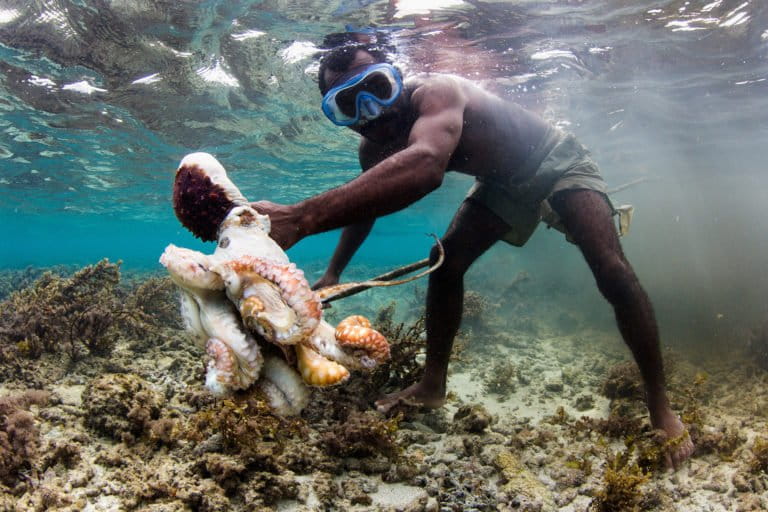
point(247, 297)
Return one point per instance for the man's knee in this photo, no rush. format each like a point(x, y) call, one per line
point(455, 261)
point(617, 281)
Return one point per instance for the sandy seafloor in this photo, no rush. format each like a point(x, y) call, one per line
point(136, 430)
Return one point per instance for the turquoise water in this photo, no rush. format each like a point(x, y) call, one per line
point(98, 102)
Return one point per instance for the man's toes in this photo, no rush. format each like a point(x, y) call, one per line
point(677, 458)
point(382, 406)
point(386, 404)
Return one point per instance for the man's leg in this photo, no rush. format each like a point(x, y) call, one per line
point(473, 230)
point(587, 218)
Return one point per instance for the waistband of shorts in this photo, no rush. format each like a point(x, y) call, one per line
point(547, 143)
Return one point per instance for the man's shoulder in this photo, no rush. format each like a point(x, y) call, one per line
point(436, 81)
point(429, 89)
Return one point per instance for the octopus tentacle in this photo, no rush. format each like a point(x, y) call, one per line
point(221, 367)
point(190, 315)
point(190, 270)
point(226, 370)
point(283, 387)
point(217, 316)
point(318, 370)
point(236, 358)
point(355, 333)
point(262, 288)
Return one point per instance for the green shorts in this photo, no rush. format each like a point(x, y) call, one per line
point(564, 165)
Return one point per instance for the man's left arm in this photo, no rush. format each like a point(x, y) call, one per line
point(393, 183)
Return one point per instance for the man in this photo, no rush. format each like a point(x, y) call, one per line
point(413, 132)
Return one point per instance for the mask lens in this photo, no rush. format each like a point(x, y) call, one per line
point(346, 99)
point(376, 84)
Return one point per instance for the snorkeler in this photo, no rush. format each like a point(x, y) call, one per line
point(413, 132)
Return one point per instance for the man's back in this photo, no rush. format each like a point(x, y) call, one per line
point(497, 135)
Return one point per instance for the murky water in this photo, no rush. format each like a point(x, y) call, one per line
point(99, 100)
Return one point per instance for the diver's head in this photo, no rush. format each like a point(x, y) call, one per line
point(361, 88)
point(346, 57)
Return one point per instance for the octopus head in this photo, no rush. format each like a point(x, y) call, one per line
point(203, 195)
point(245, 217)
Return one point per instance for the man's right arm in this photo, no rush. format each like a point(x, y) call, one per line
point(352, 236)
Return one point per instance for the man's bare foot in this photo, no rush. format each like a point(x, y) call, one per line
point(677, 441)
point(415, 395)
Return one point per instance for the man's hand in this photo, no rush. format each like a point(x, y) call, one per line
point(328, 279)
point(286, 228)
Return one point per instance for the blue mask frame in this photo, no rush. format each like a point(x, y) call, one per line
point(368, 106)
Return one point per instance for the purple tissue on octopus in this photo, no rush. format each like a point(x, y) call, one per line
point(200, 205)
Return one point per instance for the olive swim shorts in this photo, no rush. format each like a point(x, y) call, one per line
point(562, 164)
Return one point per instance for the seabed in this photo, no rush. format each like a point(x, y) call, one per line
point(102, 407)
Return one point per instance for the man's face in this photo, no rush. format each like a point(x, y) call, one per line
point(382, 128)
point(361, 61)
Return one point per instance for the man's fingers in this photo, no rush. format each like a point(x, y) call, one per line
point(262, 207)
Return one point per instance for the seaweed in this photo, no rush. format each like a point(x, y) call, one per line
point(723, 443)
point(154, 302)
point(84, 314)
point(622, 482)
point(121, 406)
point(580, 463)
point(63, 314)
point(246, 424)
point(19, 437)
point(759, 460)
point(616, 426)
point(12, 280)
point(624, 381)
point(560, 417)
point(475, 306)
point(363, 434)
point(406, 344)
point(693, 412)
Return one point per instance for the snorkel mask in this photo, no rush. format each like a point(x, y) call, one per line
point(363, 96)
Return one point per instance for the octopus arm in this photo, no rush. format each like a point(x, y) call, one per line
point(191, 270)
point(219, 321)
point(190, 314)
point(222, 374)
point(284, 388)
point(353, 344)
point(317, 370)
point(263, 289)
point(355, 334)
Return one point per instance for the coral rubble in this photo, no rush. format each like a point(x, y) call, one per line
point(536, 420)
